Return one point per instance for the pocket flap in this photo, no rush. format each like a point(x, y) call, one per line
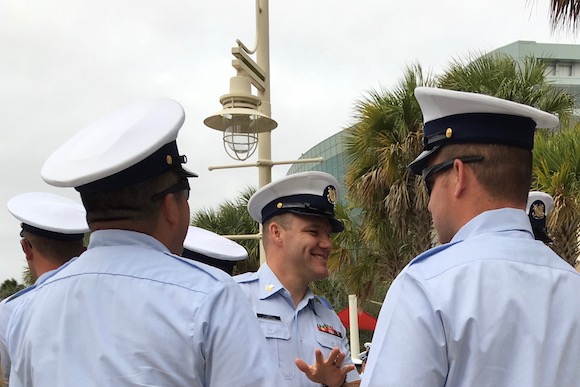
point(274, 329)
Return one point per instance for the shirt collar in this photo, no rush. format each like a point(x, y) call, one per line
point(504, 219)
point(116, 237)
point(268, 282)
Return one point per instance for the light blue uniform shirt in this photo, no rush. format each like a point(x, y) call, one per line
point(129, 313)
point(294, 332)
point(493, 307)
point(7, 307)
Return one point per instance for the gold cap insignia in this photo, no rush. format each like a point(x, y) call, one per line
point(279, 205)
point(169, 159)
point(449, 133)
point(538, 211)
point(331, 194)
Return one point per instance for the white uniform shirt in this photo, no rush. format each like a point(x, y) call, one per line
point(127, 312)
point(294, 332)
point(493, 307)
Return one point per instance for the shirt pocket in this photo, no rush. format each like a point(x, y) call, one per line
point(274, 329)
point(278, 336)
point(328, 341)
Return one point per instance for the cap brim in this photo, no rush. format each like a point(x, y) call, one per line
point(184, 172)
point(211, 248)
point(337, 225)
point(436, 103)
point(421, 162)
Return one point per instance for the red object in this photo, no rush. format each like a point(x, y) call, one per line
point(366, 322)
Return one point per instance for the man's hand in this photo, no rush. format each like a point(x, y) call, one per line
point(329, 372)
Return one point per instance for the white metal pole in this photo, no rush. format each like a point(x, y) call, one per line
point(353, 320)
point(264, 139)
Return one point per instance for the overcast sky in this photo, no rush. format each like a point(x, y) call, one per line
point(64, 64)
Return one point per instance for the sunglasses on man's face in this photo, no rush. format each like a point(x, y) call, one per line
point(182, 185)
point(434, 169)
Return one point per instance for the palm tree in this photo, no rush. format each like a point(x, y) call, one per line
point(564, 14)
point(391, 223)
point(9, 287)
point(28, 277)
point(379, 147)
point(557, 172)
point(232, 218)
point(502, 76)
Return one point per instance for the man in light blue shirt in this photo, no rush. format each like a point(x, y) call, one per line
point(130, 311)
point(491, 306)
point(52, 232)
point(297, 213)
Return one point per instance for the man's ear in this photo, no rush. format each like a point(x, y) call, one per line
point(170, 210)
point(275, 231)
point(461, 178)
point(28, 250)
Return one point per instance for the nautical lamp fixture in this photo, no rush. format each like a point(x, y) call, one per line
point(240, 121)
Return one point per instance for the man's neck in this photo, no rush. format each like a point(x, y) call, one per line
point(297, 287)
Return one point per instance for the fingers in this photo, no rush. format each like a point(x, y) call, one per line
point(335, 358)
point(333, 355)
point(302, 366)
point(327, 371)
point(319, 356)
point(339, 359)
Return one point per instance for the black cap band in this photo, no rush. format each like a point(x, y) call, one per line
point(164, 159)
point(51, 234)
point(307, 204)
point(487, 128)
point(310, 205)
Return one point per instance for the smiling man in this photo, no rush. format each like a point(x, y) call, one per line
point(297, 214)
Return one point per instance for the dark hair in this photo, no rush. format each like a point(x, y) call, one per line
point(131, 203)
point(58, 251)
point(505, 172)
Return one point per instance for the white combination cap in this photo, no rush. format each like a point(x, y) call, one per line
point(545, 199)
point(539, 206)
point(456, 117)
point(306, 193)
point(127, 146)
point(49, 215)
point(213, 245)
point(213, 249)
